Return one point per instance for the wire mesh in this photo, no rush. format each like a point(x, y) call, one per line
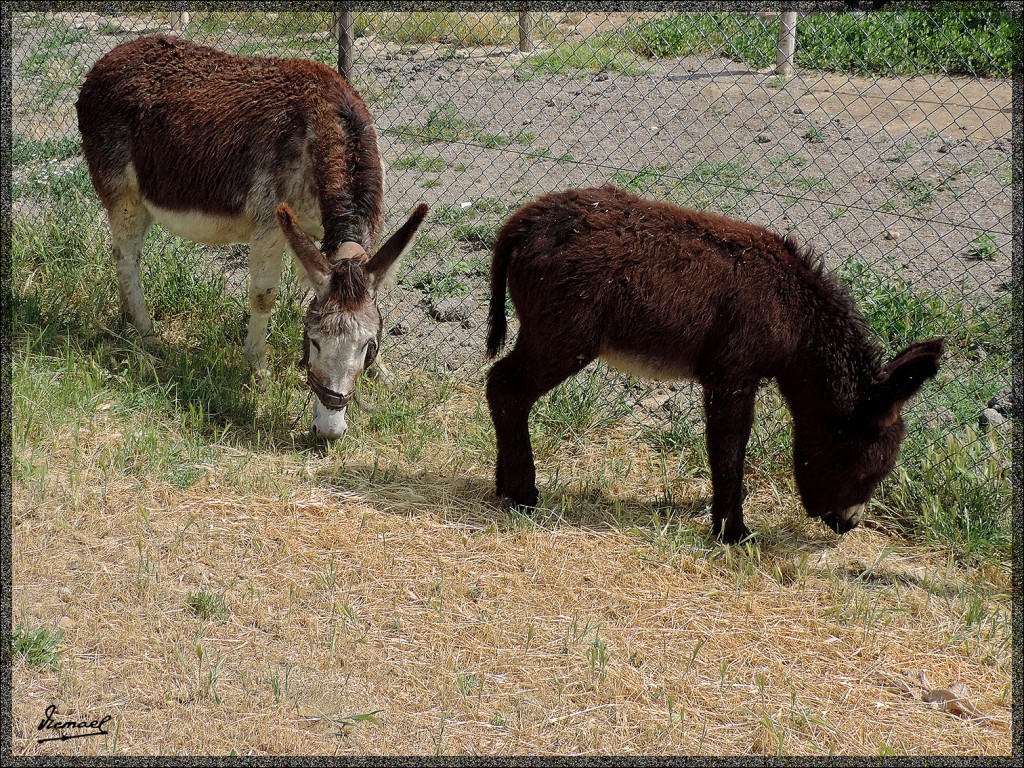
point(888, 149)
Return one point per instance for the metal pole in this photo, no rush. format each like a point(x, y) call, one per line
point(787, 44)
point(344, 28)
point(526, 22)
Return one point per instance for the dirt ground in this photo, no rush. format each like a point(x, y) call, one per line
point(874, 134)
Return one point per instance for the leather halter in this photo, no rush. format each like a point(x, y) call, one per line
point(329, 399)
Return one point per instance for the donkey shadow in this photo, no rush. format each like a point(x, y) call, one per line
point(471, 500)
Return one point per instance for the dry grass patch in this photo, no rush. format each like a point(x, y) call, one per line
point(381, 604)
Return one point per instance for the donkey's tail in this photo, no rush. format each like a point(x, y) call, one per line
point(505, 243)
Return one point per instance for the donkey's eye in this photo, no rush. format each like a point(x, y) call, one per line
point(315, 343)
point(371, 353)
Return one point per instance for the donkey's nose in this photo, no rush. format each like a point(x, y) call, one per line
point(328, 424)
point(845, 519)
point(330, 434)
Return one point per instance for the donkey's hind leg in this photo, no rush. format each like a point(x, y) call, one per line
point(265, 257)
point(129, 223)
point(514, 384)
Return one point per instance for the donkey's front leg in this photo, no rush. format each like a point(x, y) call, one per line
point(729, 415)
point(264, 278)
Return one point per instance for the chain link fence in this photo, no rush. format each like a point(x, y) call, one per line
point(888, 148)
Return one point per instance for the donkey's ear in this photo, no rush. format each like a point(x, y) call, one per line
point(902, 377)
point(384, 264)
point(317, 270)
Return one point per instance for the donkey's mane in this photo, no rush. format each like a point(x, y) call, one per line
point(838, 331)
point(359, 204)
point(350, 288)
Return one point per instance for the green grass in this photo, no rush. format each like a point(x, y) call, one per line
point(55, 180)
point(951, 38)
point(65, 320)
point(59, 35)
point(810, 183)
point(280, 25)
point(983, 248)
point(582, 404)
point(790, 159)
point(208, 606)
point(814, 136)
point(426, 163)
point(450, 278)
point(445, 124)
point(24, 150)
point(37, 647)
point(721, 186)
point(591, 56)
point(459, 29)
point(913, 192)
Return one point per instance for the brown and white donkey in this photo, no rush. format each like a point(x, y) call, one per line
point(274, 152)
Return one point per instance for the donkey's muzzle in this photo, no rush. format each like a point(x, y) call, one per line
point(844, 520)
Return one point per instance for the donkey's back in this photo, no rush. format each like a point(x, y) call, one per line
point(211, 142)
point(660, 291)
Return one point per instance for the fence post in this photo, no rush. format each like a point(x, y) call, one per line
point(526, 22)
point(787, 44)
point(344, 30)
point(179, 20)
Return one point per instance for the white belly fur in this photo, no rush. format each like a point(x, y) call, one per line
point(643, 368)
point(203, 227)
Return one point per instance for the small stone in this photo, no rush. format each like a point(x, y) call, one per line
point(1001, 402)
point(61, 707)
point(797, 111)
point(991, 419)
point(762, 138)
point(66, 622)
point(600, 77)
point(448, 311)
point(893, 234)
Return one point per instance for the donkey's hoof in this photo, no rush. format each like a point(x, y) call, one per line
point(523, 502)
point(258, 363)
point(733, 534)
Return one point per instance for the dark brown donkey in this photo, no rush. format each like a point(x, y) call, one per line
point(275, 152)
point(668, 293)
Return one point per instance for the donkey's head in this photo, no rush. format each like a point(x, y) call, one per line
point(343, 323)
point(838, 469)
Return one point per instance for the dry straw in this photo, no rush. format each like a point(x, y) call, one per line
point(379, 605)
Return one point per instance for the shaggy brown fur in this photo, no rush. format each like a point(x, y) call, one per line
point(672, 293)
point(223, 121)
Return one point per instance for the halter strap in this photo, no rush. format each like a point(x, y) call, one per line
point(329, 399)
